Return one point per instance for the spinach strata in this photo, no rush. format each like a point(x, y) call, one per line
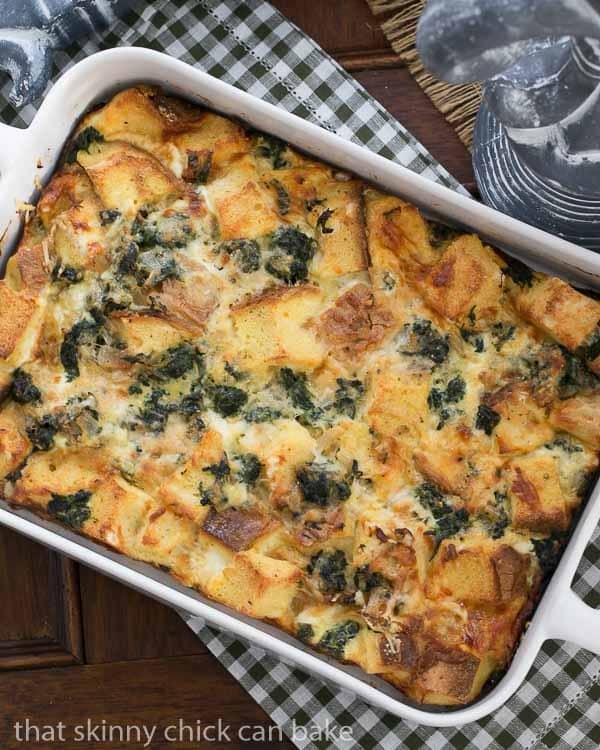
point(295, 393)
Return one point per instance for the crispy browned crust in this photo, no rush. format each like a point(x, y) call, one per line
point(580, 417)
point(559, 310)
point(272, 296)
point(17, 309)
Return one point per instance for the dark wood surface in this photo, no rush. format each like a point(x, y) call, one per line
point(75, 645)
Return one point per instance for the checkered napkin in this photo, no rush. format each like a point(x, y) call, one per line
point(250, 45)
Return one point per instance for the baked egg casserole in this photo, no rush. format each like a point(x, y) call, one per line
point(295, 393)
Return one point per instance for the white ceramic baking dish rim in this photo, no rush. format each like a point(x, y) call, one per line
point(29, 155)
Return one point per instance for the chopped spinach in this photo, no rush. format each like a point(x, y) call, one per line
point(245, 254)
point(448, 526)
point(109, 216)
point(145, 233)
point(72, 510)
point(497, 519)
point(196, 426)
point(155, 266)
point(228, 400)
point(566, 444)
point(319, 486)
point(69, 274)
point(237, 374)
point(192, 404)
point(331, 568)
point(498, 527)
point(41, 432)
point(221, 471)
point(22, 388)
point(274, 149)
point(126, 265)
point(430, 343)
point(83, 331)
point(540, 368)
point(575, 377)
point(283, 199)
point(198, 167)
point(294, 384)
point(441, 235)
point(347, 394)
point(323, 219)
point(305, 632)
point(432, 498)
point(155, 411)
point(487, 419)
point(439, 399)
point(366, 580)
point(548, 552)
point(206, 497)
point(250, 468)
point(262, 414)
point(355, 472)
point(474, 338)
point(501, 333)
point(455, 390)
point(82, 142)
point(435, 401)
point(175, 233)
point(16, 474)
point(115, 297)
point(286, 268)
point(449, 521)
point(335, 640)
point(313, 202)
point(519, 272)
point(591, 348)
point(173, 364)
point(177, 361)
point(291, 251)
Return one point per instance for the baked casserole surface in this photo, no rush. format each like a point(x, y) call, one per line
point(295, 393)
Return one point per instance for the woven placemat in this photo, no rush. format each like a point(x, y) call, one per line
point(252, 46)
point(459, 103)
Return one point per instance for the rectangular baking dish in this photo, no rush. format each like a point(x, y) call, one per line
point(31, 154)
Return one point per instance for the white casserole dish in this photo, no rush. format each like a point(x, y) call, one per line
point(32, 153)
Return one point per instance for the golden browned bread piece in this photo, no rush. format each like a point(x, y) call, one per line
point(296, 393)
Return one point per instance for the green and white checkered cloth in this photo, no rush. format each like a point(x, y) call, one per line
point(250, 45)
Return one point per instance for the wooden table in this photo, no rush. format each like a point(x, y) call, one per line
point(75, 645)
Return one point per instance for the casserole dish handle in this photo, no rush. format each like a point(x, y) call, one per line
point(568, 617)
point(574, 620)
